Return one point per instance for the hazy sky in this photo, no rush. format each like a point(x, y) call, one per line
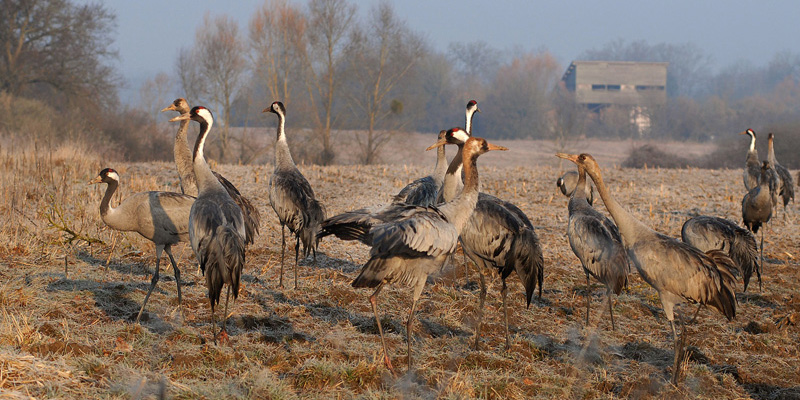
point(150, 32)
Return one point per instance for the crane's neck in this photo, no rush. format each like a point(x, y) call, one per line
point(578, 198)
point(452, 178)
point(468, 123)
point(461, 207)
point(752, 142)
point(105, 204)
point(205, 178)
point(771, 153)
point(183, 159)
point(629, 227)
point(440, 169)
point(283, 157)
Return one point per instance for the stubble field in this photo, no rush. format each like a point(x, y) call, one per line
point(66, 319)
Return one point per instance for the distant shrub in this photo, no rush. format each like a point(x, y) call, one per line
point(650, 156)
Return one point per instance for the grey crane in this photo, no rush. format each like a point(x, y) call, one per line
point(183, 160)
point(757, 209)
point(596, 242)
point(752, 171)
point(424, 191)
point(216, 225)
point(785, 183)
point(678, 271)
point(451, 187)
point(752, 167)
point(499, 235)
point(292, 198)
point(415, 240)
point(569, 181)
point(715, 233)
point(161, 217)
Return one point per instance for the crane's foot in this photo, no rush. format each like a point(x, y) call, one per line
point(222, 337)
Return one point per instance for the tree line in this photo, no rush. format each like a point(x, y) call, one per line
point(338, 69)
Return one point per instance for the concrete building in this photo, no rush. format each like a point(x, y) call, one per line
point(634, 85)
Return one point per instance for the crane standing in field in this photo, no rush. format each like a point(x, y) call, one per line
point(499, 235)
point(414, 241)
point(216, 224)
point(292, 197)
point(161, 217)
point(184, 163)
point(785, 183)
point(757, 210)
point(596, 242)
point(678, 271)
point(714, 233)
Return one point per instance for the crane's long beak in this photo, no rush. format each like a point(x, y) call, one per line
point(268, 109)
point(496, 147)
point(97, 179)
point(170, 108)
point(477, 109)
point(571, 157)
point(181, 117)
point(439, 143)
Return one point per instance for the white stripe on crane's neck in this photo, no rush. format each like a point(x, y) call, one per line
point(205, 126)
point(752, 140)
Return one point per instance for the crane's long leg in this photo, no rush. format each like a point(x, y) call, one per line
point(296, 251)
point(213, 322)
point(153, 282)
point(761, 263)
point(283, 252)
point(679, 345)
point(504, 293)
point(408, 330)
point(588, 299)
point(610, 310)
point(177, 271)
point(225, 316)
point(694, 317)
point(480, 305)
point(373, 299)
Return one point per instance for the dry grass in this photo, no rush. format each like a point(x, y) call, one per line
point(66, 325)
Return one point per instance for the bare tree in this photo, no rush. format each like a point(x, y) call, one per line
point(154, 93)
point(380, 57)
point(519, 102)
point(568, 118)
point(329, 23)
point(57, 45)
point(212, 70)
point(277, 43)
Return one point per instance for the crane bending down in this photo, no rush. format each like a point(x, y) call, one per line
point(596, 242)
point(499, 235)
point(757, 210)
point(216, 225)
point(415, 241)
point(714, 233)
point(424, 191)
point(678, 271)
point(161, 217)
point(292, 198)
point(183, 161)
point(785, 183)
point(569, 181)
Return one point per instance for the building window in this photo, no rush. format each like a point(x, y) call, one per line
point(649, 87)
point(598, 87)
point(613, 88)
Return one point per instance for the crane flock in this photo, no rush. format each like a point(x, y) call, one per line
point(416, 234)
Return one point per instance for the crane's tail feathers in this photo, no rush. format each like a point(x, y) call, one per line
point(744, 253)
point(225, 260)
point(526, 257)
point(311, 233)
point(725, 299)
point(373, 273)
point(353, 225)
point(252, 218)
point(620, 267)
